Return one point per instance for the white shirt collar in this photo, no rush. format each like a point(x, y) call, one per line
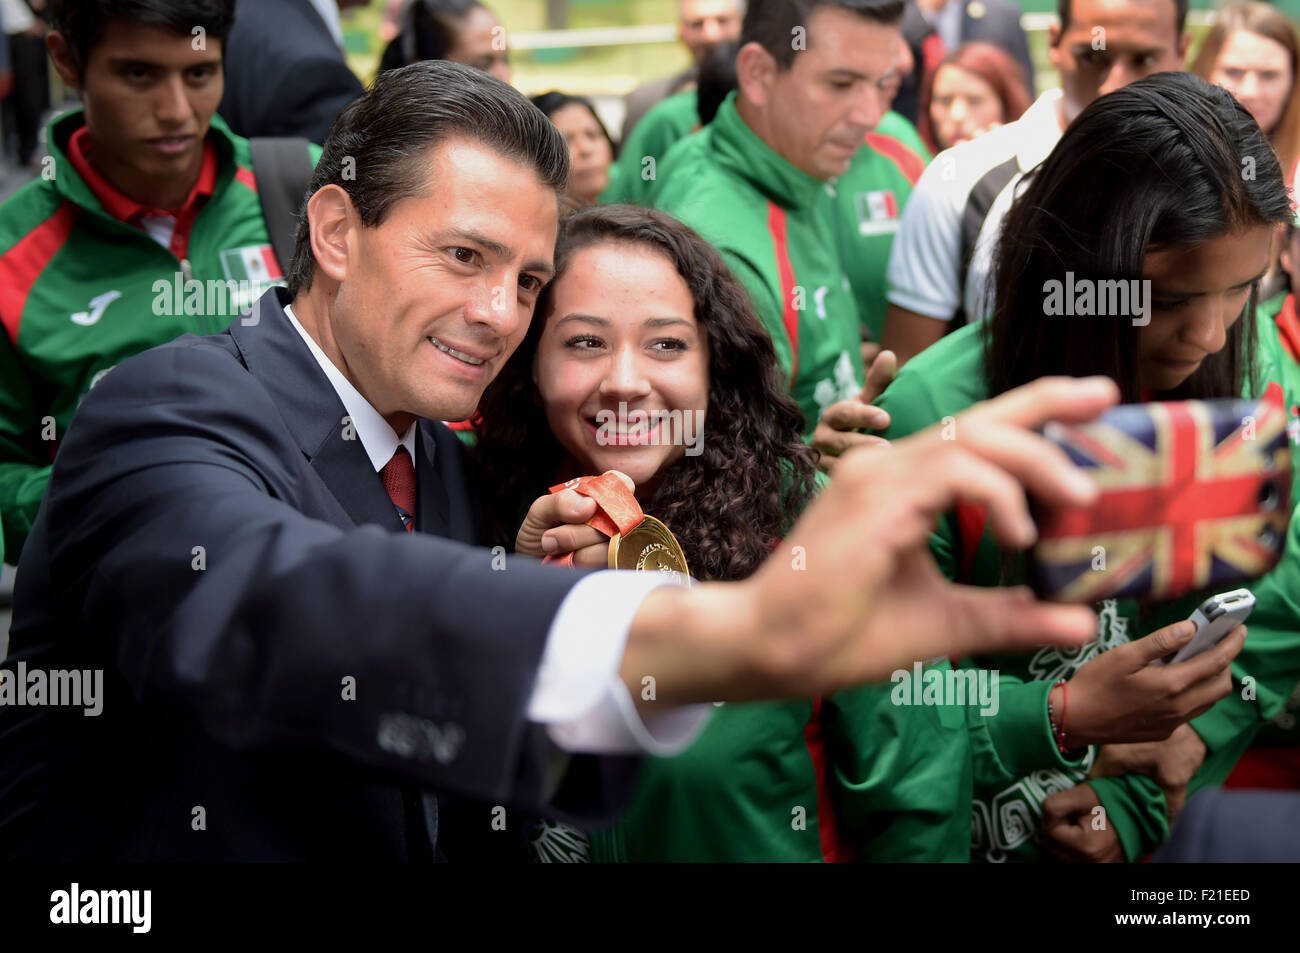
point(377, 438)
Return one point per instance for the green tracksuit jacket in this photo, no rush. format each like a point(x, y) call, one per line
point(657, 132)
point(1016, 765)
point(783, 234)
point(81, 291)
point(849, 777)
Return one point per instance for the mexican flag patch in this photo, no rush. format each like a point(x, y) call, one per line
point(255, 264)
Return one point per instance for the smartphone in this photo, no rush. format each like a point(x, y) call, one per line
point(1195, 495)
point(1217, 616)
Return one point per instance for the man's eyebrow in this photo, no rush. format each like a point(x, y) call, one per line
point(496, 248)
point(129, 62)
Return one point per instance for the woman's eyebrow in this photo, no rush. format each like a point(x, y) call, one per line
point(1156, 289)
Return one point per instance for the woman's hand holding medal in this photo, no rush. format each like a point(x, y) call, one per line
point(557, 526)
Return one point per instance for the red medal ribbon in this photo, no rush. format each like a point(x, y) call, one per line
point(617, 510)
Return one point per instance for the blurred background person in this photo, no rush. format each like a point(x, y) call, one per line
point(1252, 52)
point(703, 25)
point(462, 31)
point(670, 121)
point(285, 70)
point(975, 88)
point(24, 37)
point(591, 150)
point(939, 264)
point(935, 28)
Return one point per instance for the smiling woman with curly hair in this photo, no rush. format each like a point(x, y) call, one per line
point(645, 357)
point(728, 491)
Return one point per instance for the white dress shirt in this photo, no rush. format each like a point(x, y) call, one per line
point(578, 694)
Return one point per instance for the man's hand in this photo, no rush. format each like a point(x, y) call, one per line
point(556, 526)
point(1075, 833)
point(838, 426)
point(1120, 697)
point(854, 593)
point(1171, 763)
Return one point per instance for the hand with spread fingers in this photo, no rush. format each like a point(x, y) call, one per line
point(854, 592)
point(840, 425)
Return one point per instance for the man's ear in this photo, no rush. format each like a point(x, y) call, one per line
point(65, 63)
point(1184, 44)
point(755, 72)
point(332, 224)
point(1054, 44)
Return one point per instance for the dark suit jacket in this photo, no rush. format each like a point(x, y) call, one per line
point(998, 23)
point(285, 76)
point(214, 541)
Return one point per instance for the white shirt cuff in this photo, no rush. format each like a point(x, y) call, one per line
point(579, 695)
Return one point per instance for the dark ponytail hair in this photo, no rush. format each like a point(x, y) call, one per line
point(728, 506)
point(1167, 162)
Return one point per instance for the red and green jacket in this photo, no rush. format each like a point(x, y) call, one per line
point(1016, 764)
point(81, 290)
point(871, 196)
point(849, 776)
point(784, 235)
point(1274, 761)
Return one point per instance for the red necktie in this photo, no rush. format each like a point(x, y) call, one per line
point(399, 480)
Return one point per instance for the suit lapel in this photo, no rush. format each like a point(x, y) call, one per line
point(279, 358)
point(432, 508)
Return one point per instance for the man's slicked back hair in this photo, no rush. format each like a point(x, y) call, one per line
point(378, 150)
point(82, 22)
point(772, 23)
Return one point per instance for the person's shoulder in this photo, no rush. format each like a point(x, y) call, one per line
point(726, 210)
point(944, 379)
point(674, 107)
point(899, 128)
point(200, 371)
point(960, 167)
point(32, 207)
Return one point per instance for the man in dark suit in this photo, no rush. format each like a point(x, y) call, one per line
point(285, 70)
point(259, 539)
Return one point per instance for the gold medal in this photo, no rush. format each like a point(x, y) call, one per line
point(636, 541)
point(649, 547)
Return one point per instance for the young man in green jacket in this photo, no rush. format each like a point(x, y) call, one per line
point(147, 205)
point(813, 83)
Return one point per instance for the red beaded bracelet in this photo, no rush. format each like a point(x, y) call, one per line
point(1058, 733)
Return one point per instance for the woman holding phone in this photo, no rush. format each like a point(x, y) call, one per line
point(644, 328)
point(1146, 187)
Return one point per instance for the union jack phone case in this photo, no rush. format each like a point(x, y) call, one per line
point(1194, 495)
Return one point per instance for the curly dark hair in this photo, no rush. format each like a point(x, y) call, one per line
point(729, 505)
